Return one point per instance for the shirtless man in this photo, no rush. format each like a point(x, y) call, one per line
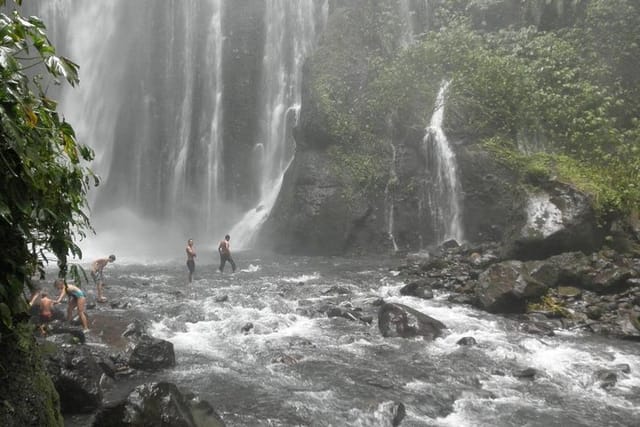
point(225, 254)
point(46, 311)
point(191, 263)
point(97, 274)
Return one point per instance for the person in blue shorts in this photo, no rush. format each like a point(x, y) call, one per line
point(77, 299)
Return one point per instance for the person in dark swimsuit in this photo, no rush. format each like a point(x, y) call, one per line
point(77, 299)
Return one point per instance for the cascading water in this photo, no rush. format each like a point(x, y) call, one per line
point(291, 30)
point(442, 191)
point(156, 102)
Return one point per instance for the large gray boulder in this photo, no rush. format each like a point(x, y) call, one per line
point(398, 320)
point(558, 218)
point(151, 354)
point(158, 404)
point(506, 287)
point(76, 376)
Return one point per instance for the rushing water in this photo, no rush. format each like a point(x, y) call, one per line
point(344, 372)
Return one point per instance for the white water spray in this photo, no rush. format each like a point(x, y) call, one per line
point(291, 31)
point(442, 193)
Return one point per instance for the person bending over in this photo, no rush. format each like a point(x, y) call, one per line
point(77, 300)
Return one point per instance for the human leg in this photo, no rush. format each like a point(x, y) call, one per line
point(233, 264)
point(191, 265)
point(223, 261)
point(81, 303)
point(70, 306)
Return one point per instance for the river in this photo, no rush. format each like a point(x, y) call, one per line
point(296, 366)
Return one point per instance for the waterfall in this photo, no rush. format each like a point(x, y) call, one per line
point(388, 195)
point(442, 190)
point(159, 100)
point(291, 31)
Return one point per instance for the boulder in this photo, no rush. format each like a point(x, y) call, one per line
point(151, 354)
point(398, 320)
point(506, 287)
point(158, 404)
point(76, 376)
point(558, 218)
point(418, 288)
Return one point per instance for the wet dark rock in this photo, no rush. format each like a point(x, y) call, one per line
point(377, 302)
point(538, 328)
point(158, 404)
point(467, 341)
point(76, 377)
point(151, 354)
point(337, 290)
point(506, 287)
point(624, 368)
point(108, 367)
point(569, 291)
point(367, 319)
point(595, 312)
point(344, 312)
point(136, 329)
point(222, 298)
point(398, 412)
point(61, 333)
point(419, 289)
point(247, 327)
point(450, 244)
point(397, 320)
point(527, 373)
point(463, 299)
point(606, 378)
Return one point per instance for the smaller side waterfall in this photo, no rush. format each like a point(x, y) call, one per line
point(442, 190)
point(388, 195)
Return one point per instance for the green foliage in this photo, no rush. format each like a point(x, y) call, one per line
point(44, 178)
point(562, 103)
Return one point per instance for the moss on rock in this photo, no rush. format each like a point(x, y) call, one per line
point(27, 395)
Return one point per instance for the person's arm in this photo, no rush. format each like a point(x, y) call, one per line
point(33, 298)
point(63, 293)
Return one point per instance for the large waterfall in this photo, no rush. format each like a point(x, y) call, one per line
point(188, 107)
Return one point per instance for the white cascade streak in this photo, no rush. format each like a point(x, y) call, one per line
point(443, 191)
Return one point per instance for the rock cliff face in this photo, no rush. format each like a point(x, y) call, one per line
point(319, 213)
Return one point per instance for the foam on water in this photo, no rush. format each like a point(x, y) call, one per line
point(301, 279)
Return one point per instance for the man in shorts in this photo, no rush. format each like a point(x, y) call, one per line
point(225, 254)
point(191, 262)
point(97, 274)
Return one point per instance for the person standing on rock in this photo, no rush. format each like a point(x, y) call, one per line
point(225, 254)
point(97, 274)
point(191, 262)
